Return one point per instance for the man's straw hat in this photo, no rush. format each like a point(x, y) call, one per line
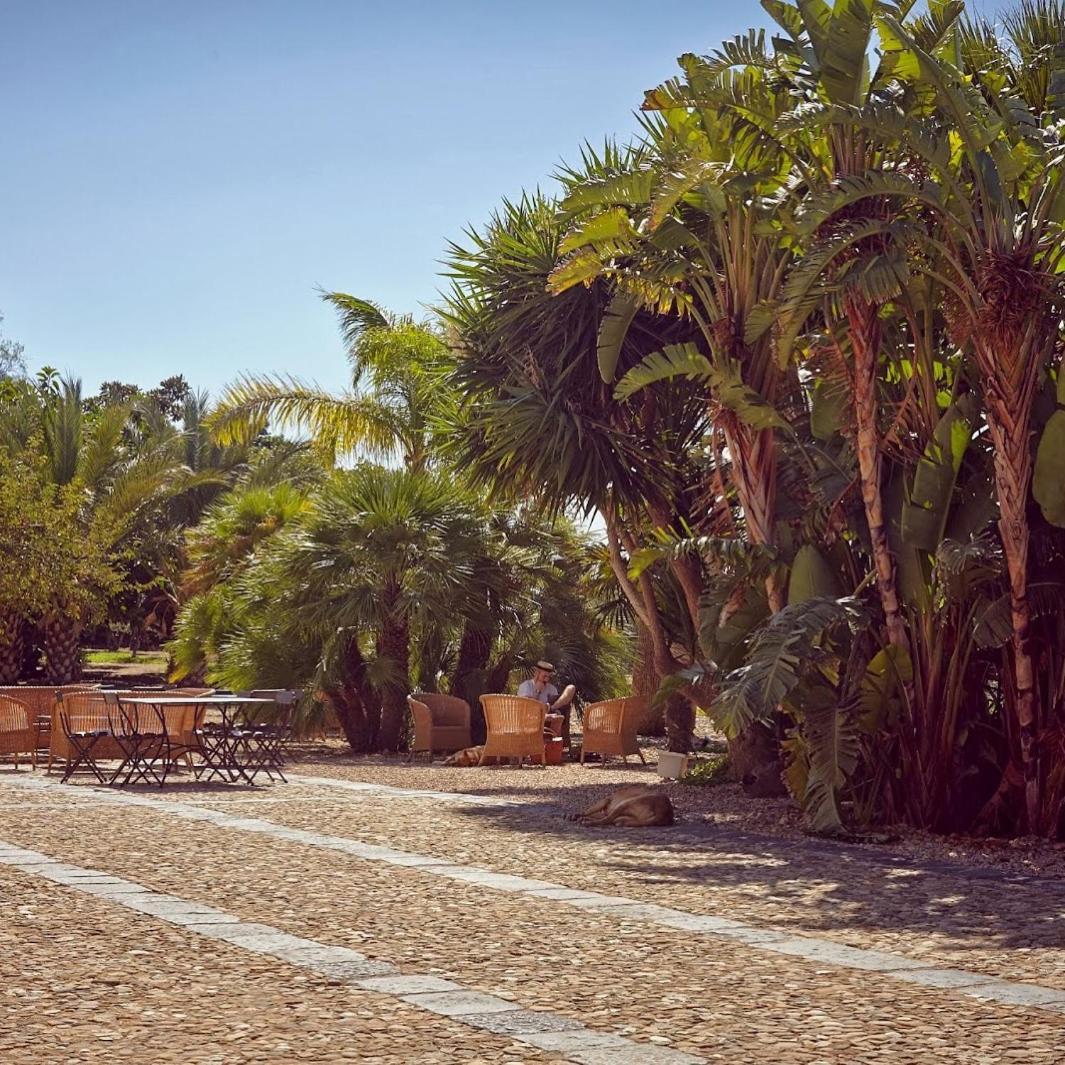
point(546, 666)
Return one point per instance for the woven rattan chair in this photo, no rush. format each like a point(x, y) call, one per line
point(39, 700)
point(441, 723)
point(610, 727)
point(515, 728)
point(18, 731)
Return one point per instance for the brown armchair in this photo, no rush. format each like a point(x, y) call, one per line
point(39, 700)
point(515, 728)
point(18, 733)
point(610, 727)
point(441, 723)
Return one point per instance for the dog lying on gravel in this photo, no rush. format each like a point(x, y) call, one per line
point(469, 756)
point(634, 806)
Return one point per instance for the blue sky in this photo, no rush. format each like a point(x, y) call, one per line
point(178, 179)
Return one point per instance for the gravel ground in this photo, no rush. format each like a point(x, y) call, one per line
point(719, 999)
point(997, 928)
point(84, 981)
point(573, 787)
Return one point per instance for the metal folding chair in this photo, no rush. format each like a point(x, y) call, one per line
point(264, 741)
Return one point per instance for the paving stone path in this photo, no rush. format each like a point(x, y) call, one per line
point(339, 919)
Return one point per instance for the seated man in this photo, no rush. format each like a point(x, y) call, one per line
point(540, 688)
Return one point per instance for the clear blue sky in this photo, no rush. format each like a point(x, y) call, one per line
point(178, 178)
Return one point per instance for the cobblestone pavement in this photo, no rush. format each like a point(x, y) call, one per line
point(116, 955)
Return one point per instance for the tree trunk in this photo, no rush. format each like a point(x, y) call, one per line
point(754, 761)
point(351, 715)
point(864, 331)
point(753, 457)
point(12, 646)
point(356, 703)
point(471, 673)
point(394, 646)
point(61, 638)
point(680, 723)
point(1013, 473)
point(645, 683)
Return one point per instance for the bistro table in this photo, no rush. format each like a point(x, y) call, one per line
point(228, 748)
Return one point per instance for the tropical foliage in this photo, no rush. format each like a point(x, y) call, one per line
point(801, 346)
point(794, 355)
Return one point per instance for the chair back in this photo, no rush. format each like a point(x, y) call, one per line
point(513, 715)
point(40, 698)
point(83, 712)
point(422, 716)
point(606, 716)
point(447, 710)
point(14, 716)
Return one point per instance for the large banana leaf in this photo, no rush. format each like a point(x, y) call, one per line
point(924, 516)
point(1048, 479)
point(779, 654)
point(840, 39)
point(674, 360)
point(831, 735)
point(879, 693)
point(811, 577)
point(614, 327)
point(724, 380)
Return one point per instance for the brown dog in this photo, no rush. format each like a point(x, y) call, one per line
point(635, 806)
point(469, 756)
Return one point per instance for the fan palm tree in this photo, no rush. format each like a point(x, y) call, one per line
point(380, 553)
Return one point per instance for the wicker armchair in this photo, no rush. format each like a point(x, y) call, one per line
point(610, 727)
point(18, 731)
point(441, 723)
point(515, 728)
point(39, 700)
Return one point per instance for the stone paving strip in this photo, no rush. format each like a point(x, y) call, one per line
point(86, 982)
point(809, 948)
point(540, 1029)
point(998, 924)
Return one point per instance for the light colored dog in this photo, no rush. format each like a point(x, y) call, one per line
point(635, 806)
point(469, 756)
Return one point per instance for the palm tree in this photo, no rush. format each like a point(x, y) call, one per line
point(538, 422)
point(380, 554)
point(1000, 249)
point(397, 383)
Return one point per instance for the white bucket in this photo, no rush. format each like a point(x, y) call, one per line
point(672, 765)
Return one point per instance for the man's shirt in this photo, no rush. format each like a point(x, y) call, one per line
point(527, 688)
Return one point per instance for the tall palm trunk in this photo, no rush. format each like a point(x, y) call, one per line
point(394, 646)
point(1009, 424)
point(61, 641)
point(753, 455)
point(645, 682)
point(356, 704)
point(468, 683)
point(12, 646)
point(864, 331)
